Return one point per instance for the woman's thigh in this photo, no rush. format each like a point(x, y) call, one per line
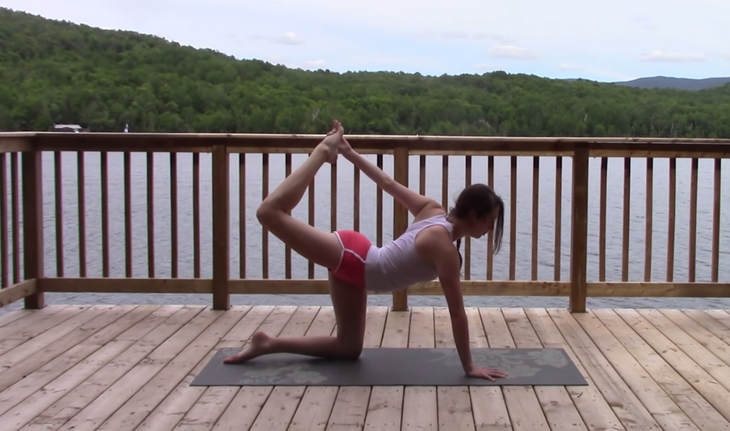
point(350, 305)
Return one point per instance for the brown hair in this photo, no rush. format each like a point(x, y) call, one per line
point(482, 200)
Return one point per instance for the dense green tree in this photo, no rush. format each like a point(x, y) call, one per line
point(59, 72)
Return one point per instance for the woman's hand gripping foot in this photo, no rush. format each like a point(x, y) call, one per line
point(332, 141)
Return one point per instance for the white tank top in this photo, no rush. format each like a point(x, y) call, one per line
point(398, 264)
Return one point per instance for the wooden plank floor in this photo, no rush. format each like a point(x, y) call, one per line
point(121, 368)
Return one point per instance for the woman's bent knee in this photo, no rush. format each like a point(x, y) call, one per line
point(350, 352)
point(267, 213)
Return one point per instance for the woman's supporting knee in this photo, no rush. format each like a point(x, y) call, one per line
point(349, 350)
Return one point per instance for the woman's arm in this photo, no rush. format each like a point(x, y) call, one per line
point(413, 201)
point(434, 243)
point(448, 273)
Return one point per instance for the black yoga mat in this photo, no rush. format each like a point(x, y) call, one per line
point(390, 366)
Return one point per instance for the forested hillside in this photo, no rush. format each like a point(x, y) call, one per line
point(54, 72)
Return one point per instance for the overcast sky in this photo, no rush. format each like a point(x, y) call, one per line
point(605, 41)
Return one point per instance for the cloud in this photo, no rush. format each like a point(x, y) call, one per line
point(316, 63)
point(645, 22)
point(512, 52)
point(462, 35)
point(672, 57)
point(288, 38)
point(488, 66)
point(567, 66)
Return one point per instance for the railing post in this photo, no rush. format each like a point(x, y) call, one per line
point(400, 216)
point(579, 234)
point(33, 225)
point(221, 227)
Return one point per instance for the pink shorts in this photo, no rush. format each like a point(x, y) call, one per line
point(352, 263)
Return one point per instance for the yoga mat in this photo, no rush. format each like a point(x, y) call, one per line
point(390, 366)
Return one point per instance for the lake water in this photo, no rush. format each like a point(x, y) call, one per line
point(368, 225)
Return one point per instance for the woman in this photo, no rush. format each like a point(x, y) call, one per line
point(425, 251)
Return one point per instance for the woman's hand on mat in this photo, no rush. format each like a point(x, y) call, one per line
point(486, 373)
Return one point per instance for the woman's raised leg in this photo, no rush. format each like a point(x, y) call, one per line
point(350, 304)
point(320, 247)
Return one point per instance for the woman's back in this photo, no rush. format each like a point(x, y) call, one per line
point(398, 265)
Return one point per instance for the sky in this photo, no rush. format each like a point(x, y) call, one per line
point(599, 40)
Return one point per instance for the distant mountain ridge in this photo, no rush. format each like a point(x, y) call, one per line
point(675, 83)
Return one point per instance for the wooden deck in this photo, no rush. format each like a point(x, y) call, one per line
point(120, 368)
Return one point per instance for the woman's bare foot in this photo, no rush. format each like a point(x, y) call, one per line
point(332, 141)
point(259, 345)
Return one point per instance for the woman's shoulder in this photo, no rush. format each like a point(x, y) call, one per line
point(434, 242)
point(429, 213)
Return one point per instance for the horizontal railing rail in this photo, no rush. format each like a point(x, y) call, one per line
point(175, 213)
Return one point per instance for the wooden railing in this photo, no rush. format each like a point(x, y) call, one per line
point(58, 230)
